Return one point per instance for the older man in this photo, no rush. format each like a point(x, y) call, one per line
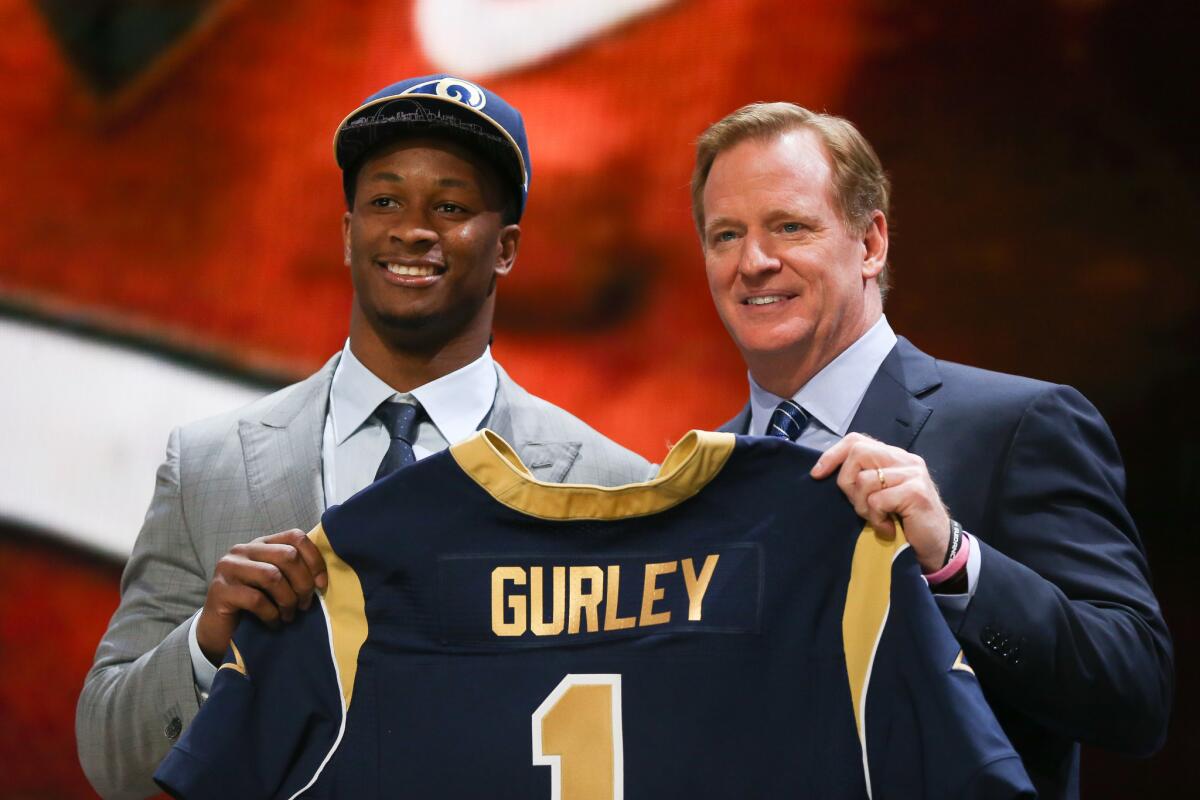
point(436, 172)
point(1010, 490)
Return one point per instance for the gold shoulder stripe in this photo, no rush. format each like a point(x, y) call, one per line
point(345, 610)
point(495, 466)
point(868, 600)
point(237, 665)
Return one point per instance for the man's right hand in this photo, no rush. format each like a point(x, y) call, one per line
point(270, 577)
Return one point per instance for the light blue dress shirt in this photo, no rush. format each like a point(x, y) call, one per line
point(833, 395)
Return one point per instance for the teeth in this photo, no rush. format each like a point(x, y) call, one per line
point(404, 269)
point(766, 300)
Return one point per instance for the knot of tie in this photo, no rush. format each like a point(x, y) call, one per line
point(788, 421)
point(400, 421)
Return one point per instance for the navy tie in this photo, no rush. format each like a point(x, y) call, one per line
point(400, 421)
point(788, 421)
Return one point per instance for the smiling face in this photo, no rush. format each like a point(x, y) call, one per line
point(793, 285)
point(425, 242)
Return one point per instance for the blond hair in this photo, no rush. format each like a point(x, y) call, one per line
point(860, 186)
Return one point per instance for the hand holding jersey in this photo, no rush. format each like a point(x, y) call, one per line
point(880, 481)
point(271, 577)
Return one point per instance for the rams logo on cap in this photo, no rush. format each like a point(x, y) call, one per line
point(455, 89)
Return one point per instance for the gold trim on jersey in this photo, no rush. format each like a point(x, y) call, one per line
point(493, 464)
point(868, 600)
point(237, 665)
point(346, 610)
point(960, 663)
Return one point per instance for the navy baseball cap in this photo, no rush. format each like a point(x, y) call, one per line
point(434, 102)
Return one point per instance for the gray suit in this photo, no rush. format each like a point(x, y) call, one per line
point(230, 479)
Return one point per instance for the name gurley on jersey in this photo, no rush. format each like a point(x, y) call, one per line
point(577, 593)
point(539, 598)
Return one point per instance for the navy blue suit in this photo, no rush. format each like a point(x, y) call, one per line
point(1064, 631)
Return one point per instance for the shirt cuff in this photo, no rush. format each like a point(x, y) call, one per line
point(203, 671)
point(953, 606)
point(973, 561)
point(953, 566)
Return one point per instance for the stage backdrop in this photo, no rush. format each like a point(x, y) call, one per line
point(170, 244)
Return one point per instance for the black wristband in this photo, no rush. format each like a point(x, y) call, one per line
point(955, 543)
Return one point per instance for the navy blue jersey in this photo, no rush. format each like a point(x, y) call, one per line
point(728, 629)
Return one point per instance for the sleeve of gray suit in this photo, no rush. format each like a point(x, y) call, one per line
point(139, 694)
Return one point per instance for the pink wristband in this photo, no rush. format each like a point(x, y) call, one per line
point(950, 570)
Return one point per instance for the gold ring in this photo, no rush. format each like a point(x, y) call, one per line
point(882, 480)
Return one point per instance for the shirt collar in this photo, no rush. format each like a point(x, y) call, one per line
point(833, 395)
point(456, 403)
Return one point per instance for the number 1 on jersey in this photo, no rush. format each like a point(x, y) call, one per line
point(577, 733)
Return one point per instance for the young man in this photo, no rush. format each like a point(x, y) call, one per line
point(1049, 592)
point(436, 173)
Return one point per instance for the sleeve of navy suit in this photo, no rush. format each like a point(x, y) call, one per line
point(1064, 625)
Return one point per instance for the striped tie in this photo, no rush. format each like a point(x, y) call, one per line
point(788, 421)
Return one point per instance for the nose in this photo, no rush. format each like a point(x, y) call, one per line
point(756, 257)
point(412, 228)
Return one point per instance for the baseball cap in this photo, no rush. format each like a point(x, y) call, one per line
point(434, 102)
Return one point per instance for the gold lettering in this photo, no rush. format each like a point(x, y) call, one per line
point(696, 587)
point(651, 593)
point(499, 626)
point(580, 601)
point(571, 602)
point(537, 607)
point(611, 621)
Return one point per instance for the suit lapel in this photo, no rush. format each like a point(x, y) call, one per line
point(499, 417)
point(739, 424)
point(282, 451)
point(891, 411)
point(515, 417)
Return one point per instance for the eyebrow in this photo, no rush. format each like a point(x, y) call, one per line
point(719, 222)
point(384, 175)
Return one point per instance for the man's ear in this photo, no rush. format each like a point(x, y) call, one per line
point(875, 245)
point(346, 236)
point(506, 256)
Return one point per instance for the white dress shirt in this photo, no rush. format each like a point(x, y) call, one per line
point(355, 441)
point(831, 398)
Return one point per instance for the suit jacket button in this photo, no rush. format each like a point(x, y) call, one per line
point(989, 637)
point(173, 729)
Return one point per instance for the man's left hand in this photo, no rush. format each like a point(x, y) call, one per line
point(881, 480)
